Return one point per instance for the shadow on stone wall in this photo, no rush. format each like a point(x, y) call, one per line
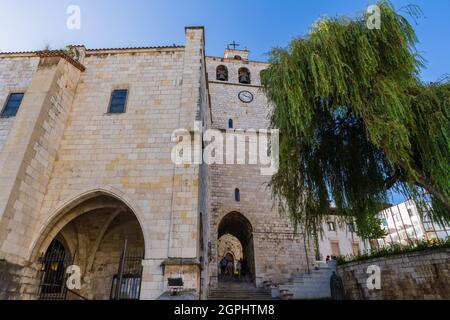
point(17, 282)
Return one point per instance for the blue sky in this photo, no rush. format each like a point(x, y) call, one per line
point(258, 25)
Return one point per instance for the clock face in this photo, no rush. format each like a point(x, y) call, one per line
point(246, 96)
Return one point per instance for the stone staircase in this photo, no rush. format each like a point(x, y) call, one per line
point(312, 285)
point(238, 291)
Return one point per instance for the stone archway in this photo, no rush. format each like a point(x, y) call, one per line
point(239, 227)
point(95, 233)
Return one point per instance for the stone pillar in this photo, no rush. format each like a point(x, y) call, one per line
point(152, 284)
point(27, 158)
point(184, 228)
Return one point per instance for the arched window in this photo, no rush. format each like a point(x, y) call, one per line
point(238, 57)
point(237, 195)
point(222, 73)
point(230, 123)
point(244, 76)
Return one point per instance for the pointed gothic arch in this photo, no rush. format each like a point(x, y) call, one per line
point(99, 228)
point(237, 225)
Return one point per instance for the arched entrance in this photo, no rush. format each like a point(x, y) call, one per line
point(235, 237)
point(102, 236)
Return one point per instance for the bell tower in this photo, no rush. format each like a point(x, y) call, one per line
point(231, 52)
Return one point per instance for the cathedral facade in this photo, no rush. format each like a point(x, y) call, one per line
point(88, 185)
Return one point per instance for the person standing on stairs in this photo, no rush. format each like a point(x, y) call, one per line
point(230, 269)
point(239, 268)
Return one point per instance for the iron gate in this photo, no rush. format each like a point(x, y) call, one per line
point(126, 284)
point(53, 273)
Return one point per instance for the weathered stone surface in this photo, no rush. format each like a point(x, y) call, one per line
point(278, 253)
point(63, 149)
point(63, 146)
point(419, 275)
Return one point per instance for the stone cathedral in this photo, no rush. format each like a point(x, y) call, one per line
point(87, 182)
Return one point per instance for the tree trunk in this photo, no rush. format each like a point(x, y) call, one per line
point(425, 183)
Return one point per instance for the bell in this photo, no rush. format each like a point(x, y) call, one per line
point(222, 76)
point(244, 78)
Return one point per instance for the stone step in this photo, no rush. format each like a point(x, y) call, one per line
point(309, 285)
point(237, 293)
point(313, 275)
point(234, 291)
point(243, 297)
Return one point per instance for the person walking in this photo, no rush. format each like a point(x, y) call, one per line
point(239, 268)
point(230, 269)
point(223, 265)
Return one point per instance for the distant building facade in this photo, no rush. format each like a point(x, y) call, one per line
point(404, 224)
point(339, 239)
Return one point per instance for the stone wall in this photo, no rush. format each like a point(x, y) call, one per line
point(15, 77)
point(63, 147)
point(59, 150)
point(12, 280)
point(278, 253)
point(418, 275)
point(29, 154)
point(225, 103)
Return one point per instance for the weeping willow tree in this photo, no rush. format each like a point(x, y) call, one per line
point(356, 122)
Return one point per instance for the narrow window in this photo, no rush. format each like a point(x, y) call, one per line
point(230, 123)
point(355, 248)
point(118, 101)
point(12, 105)
point(410, 212)
point(222, 73)
point(237, 195)
point(331, 226)
point(244, 76)
point(350, 227)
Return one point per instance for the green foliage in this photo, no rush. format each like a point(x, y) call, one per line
point(395, 249)
point(354, 120)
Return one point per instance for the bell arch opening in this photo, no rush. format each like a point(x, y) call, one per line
point(103, 238)
point(235, 238)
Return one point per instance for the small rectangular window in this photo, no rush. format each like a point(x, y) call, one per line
point(355, 248)
point(118, 101)
point(350, 227)
point(12, 105)
point(331, 226)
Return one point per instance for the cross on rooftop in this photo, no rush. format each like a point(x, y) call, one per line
point(234, 45)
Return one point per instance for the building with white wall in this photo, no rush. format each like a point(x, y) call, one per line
point(403, 224)
point(339, 239)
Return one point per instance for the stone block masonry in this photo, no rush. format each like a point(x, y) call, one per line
point(423, 275)
point(68, 168)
